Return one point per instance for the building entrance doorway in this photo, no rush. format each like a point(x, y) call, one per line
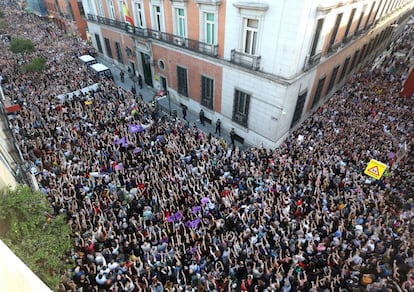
point(146, 66)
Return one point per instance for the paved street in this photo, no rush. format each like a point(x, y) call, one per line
point(149, 92)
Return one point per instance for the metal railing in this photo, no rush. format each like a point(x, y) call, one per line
point(347, 39)
point(333, 48)
point(314, 60)
point(248, 61)
point(189, 44)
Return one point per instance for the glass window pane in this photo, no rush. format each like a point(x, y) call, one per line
point(254, 36)
point(181, 28)
point(241, 103)
point(253, 23)
point(248, 43)
point(210, 33)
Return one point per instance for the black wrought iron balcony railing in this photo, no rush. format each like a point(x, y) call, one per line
point(190, 44)
point(346, 39)
point(333, 48)
point(314, 60)
point(245, 60)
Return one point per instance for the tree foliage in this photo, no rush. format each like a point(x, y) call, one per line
point(21, 46)
point(39, 239)
point(36, 65)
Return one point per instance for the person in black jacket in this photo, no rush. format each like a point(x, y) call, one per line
point(232, 136)
point(201, 115)
point(218, 127)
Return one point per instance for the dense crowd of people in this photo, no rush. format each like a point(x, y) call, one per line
point(158, 205)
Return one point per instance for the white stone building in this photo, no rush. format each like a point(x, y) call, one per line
point(261, 66)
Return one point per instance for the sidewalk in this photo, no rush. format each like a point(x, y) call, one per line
point(149, 92)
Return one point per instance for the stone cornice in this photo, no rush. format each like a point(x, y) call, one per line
point(251, 6)
point(208, 2)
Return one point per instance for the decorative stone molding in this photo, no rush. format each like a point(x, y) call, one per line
point(252, 6)
point(156, 2)
point(208, 2)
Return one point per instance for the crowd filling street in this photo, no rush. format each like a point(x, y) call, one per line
point(158, 205)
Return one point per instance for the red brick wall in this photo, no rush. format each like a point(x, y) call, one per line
point(80, 21)
point(195, 68)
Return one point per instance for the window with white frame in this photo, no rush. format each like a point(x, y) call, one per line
point(157, 18)
point(89, 8)
point(139, 14)
point(210, 28)
point(252, 16)
point(121, 9)
point(81, 8)
point(100, 8)
point(180, 22)
point(250, 30)
point(111, 9)
point(208, 12)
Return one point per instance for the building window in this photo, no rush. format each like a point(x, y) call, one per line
point(161, 65)
point(121, 10)
point(335, 29)
point(157, 18)
point(377, 10)
point(207, 92)
point(180, 22)
point(210, 32)
point(299, 108)
point(182, 85)
point(318, 92)
point(368, 51)
point(348, 26)
point(100, 9)
point(361, 16)
point(376, 44)
point(318, 30)
point(98, 43)
point(251, 27)
point(81, 10)
point(354, 59)
point(119, 53)
point(388, 8)
point(139, 15)
point(369, 16)
point(241, 107)
point(361, 56)
point(111, 9)
point(344, 68)
point(70, 15)
point(89, 5)
point(333, 78)
point(382, 10)
point(108, 47)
